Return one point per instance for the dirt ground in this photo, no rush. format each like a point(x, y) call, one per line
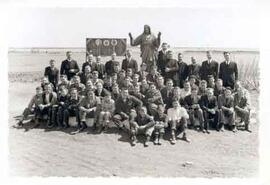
point(41, 152)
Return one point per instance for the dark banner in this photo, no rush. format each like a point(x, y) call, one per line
point(106, 46)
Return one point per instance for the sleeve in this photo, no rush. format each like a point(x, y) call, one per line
point(156, 41)
point(46, 72)
point(138, 103)
point(62, 70)
point(136, 66)
point(137, 41)
point(57, 77)
point(77, 69)
point(217, 71)
point(236, 71)
point(185, 114)
point(220, 104)
point(220, 71)
point(32, 102)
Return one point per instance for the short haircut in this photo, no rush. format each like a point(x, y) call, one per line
point(194, 88)
point(73, 89)
point(68, 52)
point(38, 88)
point(169, 80)
point(204, 81)
point(226, 52)
point(210, 89)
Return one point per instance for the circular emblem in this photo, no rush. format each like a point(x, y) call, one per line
point(106, 43)
point(114, 42)
point(98, 42)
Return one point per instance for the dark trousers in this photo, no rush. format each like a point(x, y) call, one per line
point(210, 118)
point(71, 111)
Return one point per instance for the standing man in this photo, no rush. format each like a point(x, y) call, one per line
point(228, 71)
point(194, 69)
point(171, 68)
point(110, 65)
point(52, 73)
point(99, 67)
point(149, 44)
point(89, 62)
point(69, 66)
point(209, 67)
point(182, 71)
point(162, 58)
point(129, 62)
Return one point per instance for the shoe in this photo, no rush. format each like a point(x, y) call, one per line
point(19, 124)
point(203, 130)
point(99, 130)
point(234, 129)
point(185, 138)
point(207, 131)
point(222, 129)
point(146, 143)
point(247, 128)
point(156, 141)
point(160, 141)
point(133, 143)
point(173, 140)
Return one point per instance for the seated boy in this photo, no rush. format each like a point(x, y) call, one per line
point(88, 108)
point(160, 119)
point(191, 103)
point(242, 106)
point(62, 103)
point(107, 108)
point(208, 104)
point(142, 124)
point(226, 109)
point(36, 100)
point(72, 108)
point(177, 119)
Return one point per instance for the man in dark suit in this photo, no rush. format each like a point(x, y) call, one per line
point(171, 68)
point(89, 62)
point(100, 91)
point(129, 62)
point(167, 92)
point(209, 67)
point(52, 73)
point(69, 66)
point(110, 65)
point(99, 67)
point(182, 71)
point(228, 71)
point(194, 69)
point(162, 58)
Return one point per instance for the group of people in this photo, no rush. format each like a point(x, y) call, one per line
point(162, 95)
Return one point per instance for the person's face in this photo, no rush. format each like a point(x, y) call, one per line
point(176, 92)
point(114, 78)
point(115, 89)
point(240, 92)
point(63, 92)
point(99, 86)
point(228, 93)
point(160, 81)
point(73, 94)
point(113, 56)
point(129, 72)
point(125, 93)
point(192, 81)
point(128, 53)
point(116, 68)
point(160, 110)
point(91, 58)
point(180, 57)
point(193, 60)
point(164, 47)
point(204, 85)
point(69, 54)
point(142, 112)
point(211, 80)
point(98, 59)
point(175, 104)
point(146, 30)
point(90, 95)
point(154, 70)
point(210, 93)
point(194, 92)
point(38, 91)
point(152, 87)
point(47, 89)
point(127, 81)
point(227, 56)
point(144, 82)
point(219, 84)
point(237, 85)
point(87, 69)
point(169, 84)
point(143, 68)
point(44, 80)
point(122, 75)
point(209, 55)
point(95, 75)
point(52, 63)
point(89, 84)
point(76, 80)
point(107, 98)
point(136, 78)
point(170, 55)
point(187, 86)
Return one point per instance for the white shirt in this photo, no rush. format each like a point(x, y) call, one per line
point(177, 114)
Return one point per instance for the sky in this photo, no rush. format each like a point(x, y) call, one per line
point(181, 26)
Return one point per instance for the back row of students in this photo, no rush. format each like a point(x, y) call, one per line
point(138, 100)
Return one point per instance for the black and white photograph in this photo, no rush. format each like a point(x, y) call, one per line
point(121, 92)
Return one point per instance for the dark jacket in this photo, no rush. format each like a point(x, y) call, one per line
point(52, 74)
point(182, 73)
point(189, 101)
point(87, 64)
point(194, 70)
point(207, 103)
point(161, 62)
point(109, 67)
point(172, 64)
point(130, 103)
point(166, 96)
point(100, 68)
point(67, 65)
point(209, 69)
point(228, 73)
point(103, 93)
point(130, 64)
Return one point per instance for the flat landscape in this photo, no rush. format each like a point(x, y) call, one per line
point(43, 152)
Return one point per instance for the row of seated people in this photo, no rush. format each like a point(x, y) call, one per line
point(140, 105)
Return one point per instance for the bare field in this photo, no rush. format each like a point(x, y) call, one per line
point(41, 152)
